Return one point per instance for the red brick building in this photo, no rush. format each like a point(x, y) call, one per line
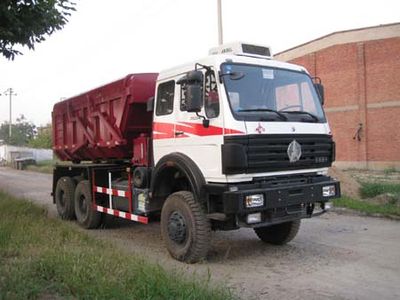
point(360, 70)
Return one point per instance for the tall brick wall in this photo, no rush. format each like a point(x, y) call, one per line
point(362, 88)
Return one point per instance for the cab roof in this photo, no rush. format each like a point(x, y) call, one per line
point(216, 60)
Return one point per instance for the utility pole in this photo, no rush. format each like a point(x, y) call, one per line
point(10, 92)
point(220, 33)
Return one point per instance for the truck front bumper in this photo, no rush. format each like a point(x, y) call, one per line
point(282, 200)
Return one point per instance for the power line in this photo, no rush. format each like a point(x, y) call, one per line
point(10, 92)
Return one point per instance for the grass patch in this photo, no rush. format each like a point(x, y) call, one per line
point(389, 170)
point(370, 190)
point(45, 166)
point(48, 258)
point(368, 208)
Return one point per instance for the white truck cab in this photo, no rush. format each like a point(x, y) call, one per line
point(247, 97)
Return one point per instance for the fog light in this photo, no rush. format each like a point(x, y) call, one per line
point(254, 218)
point(256, 200)
point(328, 191)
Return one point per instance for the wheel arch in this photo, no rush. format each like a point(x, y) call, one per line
point(165, 181)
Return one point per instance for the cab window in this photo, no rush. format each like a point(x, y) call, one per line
point(295, 97)
point(165, 98)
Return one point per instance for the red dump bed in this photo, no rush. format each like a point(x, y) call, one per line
point(102, 123)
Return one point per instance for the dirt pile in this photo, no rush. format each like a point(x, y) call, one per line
point(348, 185)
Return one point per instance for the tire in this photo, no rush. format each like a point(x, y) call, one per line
point(279, 234)
point(78, 179)
point(185, 228)
point(64, 197)
point(86, 216)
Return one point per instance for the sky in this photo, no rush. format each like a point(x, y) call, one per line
point(106, 40)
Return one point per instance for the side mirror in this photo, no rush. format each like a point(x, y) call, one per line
point(194, 91)
point(194, 98)
point(191, 77)
point(320, 90)
point(194, 76)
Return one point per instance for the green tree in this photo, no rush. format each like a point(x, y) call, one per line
point(27, 22)
point(43, 139)
point(21, 132)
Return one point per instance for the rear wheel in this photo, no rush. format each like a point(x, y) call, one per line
point(185, 228)
point(64, 197)
point(86, 216)
point(279, 234)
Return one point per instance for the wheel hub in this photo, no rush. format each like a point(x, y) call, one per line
point(177, 227)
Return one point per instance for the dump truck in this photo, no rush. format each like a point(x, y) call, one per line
point(235, 139)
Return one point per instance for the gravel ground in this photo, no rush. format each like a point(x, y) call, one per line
point(334, 256)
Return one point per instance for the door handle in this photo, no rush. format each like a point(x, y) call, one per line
point(179, 133)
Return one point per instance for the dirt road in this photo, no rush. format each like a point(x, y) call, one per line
point(333, 257)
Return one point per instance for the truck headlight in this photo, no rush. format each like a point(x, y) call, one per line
point(253, 218)
point(328, 191)
point(255, 200)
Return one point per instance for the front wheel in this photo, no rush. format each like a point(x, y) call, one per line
point(86, 216)
point(278, 234)
point(185, 228)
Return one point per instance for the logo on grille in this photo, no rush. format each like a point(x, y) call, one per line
point(294, 151)
point(260, 129)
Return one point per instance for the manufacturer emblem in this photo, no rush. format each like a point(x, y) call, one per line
point(293, 129)
point(294, 151)
point(260, 129)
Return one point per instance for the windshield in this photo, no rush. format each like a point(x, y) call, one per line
point(258, 93)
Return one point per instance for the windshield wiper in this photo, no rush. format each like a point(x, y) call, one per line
point(282, 116)
point(314, 117)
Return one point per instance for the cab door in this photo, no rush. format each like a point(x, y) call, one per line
point(193, 136)
point(164, 120)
